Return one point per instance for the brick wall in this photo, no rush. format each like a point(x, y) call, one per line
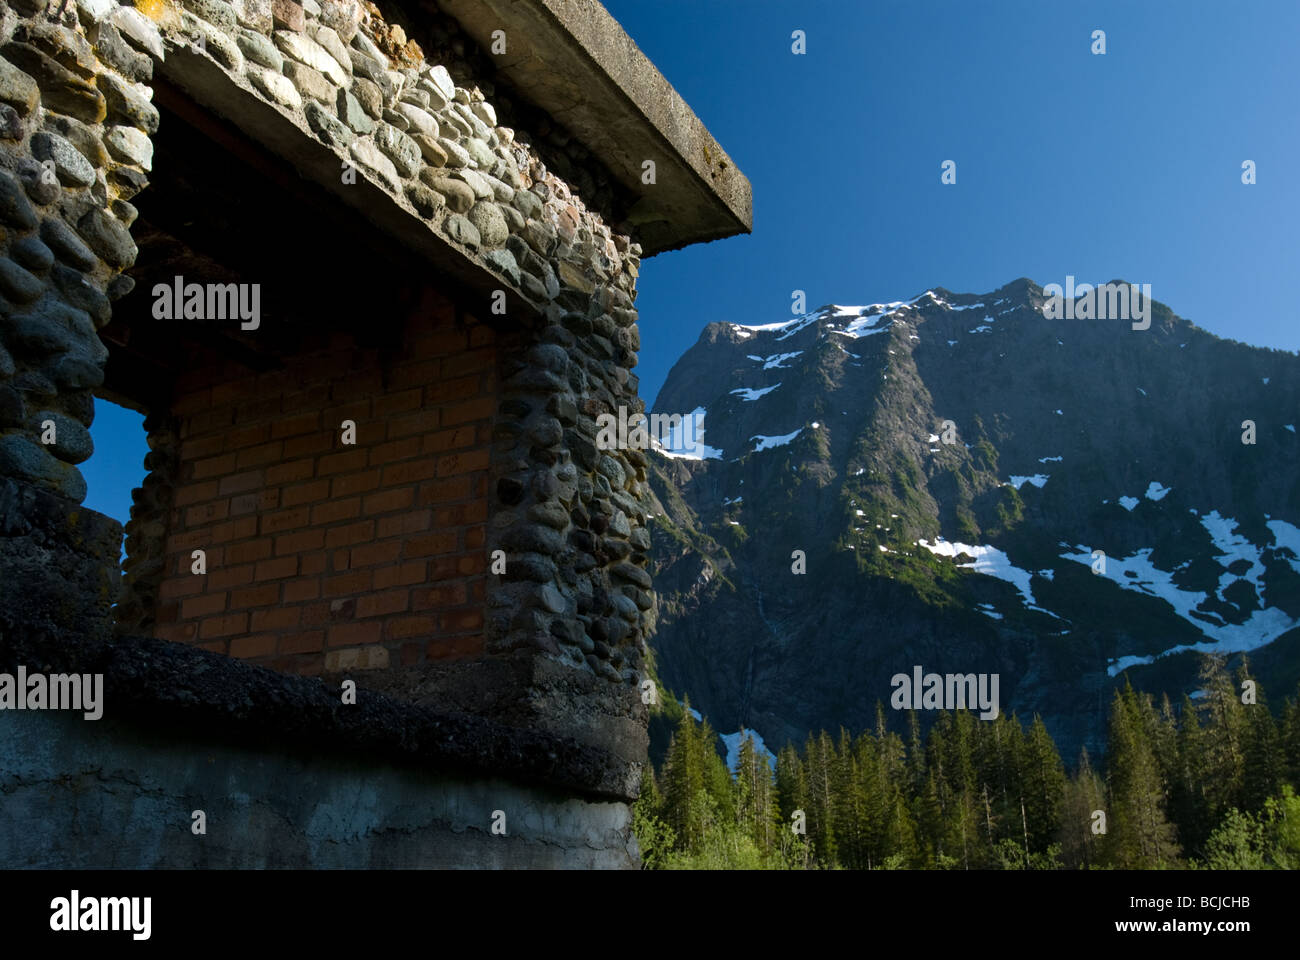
point(326, 557)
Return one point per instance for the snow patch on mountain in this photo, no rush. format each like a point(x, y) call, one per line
point(989, 561)
point(685, 444)
point(733, 742)
point(1138, 573)
point(767, 443)
point(777, 360)
point(753, 393)
point(1155, 491)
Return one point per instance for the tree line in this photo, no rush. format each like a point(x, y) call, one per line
point(1207, 784)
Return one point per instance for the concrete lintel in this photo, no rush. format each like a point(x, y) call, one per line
point(214, 89)
point(572, 59)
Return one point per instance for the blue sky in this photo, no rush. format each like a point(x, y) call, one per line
point(1123, 165)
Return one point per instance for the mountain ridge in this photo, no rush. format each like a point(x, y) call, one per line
point(829, 430)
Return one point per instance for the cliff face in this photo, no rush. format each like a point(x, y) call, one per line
point(949, 466)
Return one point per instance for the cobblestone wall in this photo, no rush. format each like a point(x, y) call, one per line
point(76, 121)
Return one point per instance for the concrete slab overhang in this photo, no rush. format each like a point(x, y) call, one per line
point(200, 79)
point(572, 59)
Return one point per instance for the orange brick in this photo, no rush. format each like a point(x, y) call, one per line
point(315, 614)
point(389, 500)
point(458, 388)
point(207, 513)
point(277, 618)
point(446, 568)
point(421, 422)
point(294, 519)
point(290, 472)
point(312, 563)
point(457, 621)
point(249, 551)
point(198, 607)
point(472, 360)
point(180, 586)
point(445, 491)
point(359, 384)
point(260, 596)
point(374, 553)
point(415, 374)
point(382, 604)
point(186, 542)
point(307, 444)
point(455, 648)
point(230, 577)
point(247, 503)
point(258, 645)
point(336, 510)
point(440, 343)
point(460, 514)
point(300, 590)
point(347, 583)
point(176, 632)
point(350, 534)
point(247, 436)
point(259, 456)
point(276, 569)
point(305, 492)
point(263, 408)
point(295, 425)
point(475, 537)
point(244, 527)
point(448, 595)
point(401, 627)
point(355, 483)
point(214, 466)
point(299, 542)
point(307, 641)
point(454, 463)
point(402, 523)
point(215, 646)
point(358, 411)
point(240, 483)
point(313, 398)
point(200, 447)
point(403, 574)
point(219, 419)
point(458, 439)
point(223, 626)
point(347, 462)
point(430, 544)
point(349, 634)
point(412, 471)
point(478, 409)
point(399, 402)
point(194, 493)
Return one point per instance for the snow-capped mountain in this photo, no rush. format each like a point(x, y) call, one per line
point(979, 489)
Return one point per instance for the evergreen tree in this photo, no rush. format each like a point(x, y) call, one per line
point(1042, 787)
point(1140, 836)
point(684, 779)
point(1264, 762)
point(1187, 795)
point(1084, 795)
